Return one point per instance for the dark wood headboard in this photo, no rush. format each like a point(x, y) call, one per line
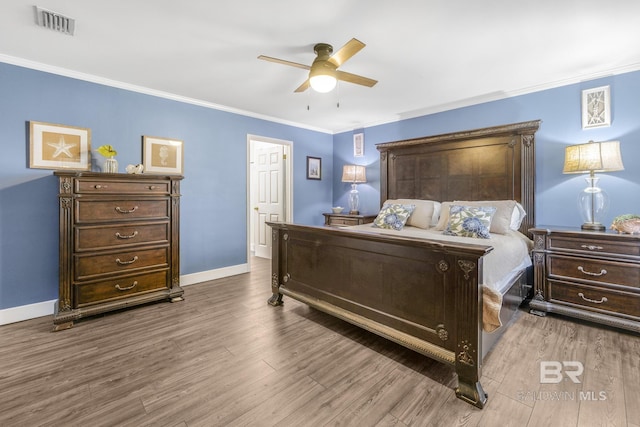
point(495, 163)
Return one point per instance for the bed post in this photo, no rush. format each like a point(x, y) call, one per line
point(277, 232)
point(468, 352)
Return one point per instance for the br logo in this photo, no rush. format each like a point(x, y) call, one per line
point(553, 372)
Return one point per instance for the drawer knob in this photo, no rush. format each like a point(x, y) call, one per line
point(127, 287)
point(135, 258)
point(101, 187)
point(152, 187)
point(603, 299)
point(582, 270)
point(126, 211)
point(592, 247)
point(124, 236)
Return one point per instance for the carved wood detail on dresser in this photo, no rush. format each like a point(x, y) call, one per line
point(589, 275)
point(119, 242)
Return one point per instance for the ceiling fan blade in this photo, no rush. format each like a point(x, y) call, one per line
point(352, 47)
point(284, 62)
point(354, 78)
point(304, 86)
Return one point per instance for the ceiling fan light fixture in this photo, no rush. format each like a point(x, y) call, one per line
point(323, 83)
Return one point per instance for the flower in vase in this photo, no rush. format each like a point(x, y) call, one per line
point(107, 151)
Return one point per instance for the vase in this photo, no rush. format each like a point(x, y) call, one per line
point(110, 165)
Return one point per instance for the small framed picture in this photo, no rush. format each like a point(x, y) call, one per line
point(53, 146)
point(314, 168)
point(162, 155)
point(358, 145)
point(596, 107)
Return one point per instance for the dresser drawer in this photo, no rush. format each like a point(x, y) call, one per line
point(594, 246)
point(595, 298)
point(121, 210)
point(594, 270)
point(100, 237)
point(124, 287)
point(103, 186)
point(87, 266)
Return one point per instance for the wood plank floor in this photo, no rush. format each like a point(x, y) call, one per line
point(225, 357)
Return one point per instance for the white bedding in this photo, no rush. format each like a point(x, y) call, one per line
point(510, 255)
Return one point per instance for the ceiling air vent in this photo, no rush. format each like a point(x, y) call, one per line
point(55, 21)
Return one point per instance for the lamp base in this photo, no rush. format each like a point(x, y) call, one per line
point(354, 212)
point(593, 226)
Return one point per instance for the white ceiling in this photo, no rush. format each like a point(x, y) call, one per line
point(428, 56)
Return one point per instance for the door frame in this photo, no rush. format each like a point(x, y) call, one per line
point(288, 183)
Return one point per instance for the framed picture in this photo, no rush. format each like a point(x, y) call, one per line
point(596, 107)
point(314, 168)
point(162, 155)
point(358, 145)
point(54, 146)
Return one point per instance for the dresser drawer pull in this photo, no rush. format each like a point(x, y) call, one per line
point(602, 272)
point(603, 299)
point(135, 258)
point(128, 287)
point(100, 187)
point(130, 236)
point(592, 247)
point(152, 187)
point(125, 211)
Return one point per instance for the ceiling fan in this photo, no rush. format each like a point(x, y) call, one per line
point(323, 72)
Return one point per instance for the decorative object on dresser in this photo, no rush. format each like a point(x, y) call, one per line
point(119, 242)
point(355, 174)
point(109, 153)
point(340, 219)
point(628, 223)
point(162, 155)
point(592, 157)
point(591, 276)
point(53, 146)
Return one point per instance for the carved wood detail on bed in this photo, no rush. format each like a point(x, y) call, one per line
point(423, 294)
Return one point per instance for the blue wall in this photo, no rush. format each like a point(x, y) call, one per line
point(560, 112)
point(214, 201)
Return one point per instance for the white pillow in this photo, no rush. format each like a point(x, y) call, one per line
point(423, 214)
point(517, 217)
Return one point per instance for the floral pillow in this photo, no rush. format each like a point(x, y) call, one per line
point(393, 216)
point(469, 221)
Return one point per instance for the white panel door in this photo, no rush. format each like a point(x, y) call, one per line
point(269, 163)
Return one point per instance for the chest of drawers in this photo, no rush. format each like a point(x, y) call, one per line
point(119, 242)
point(589, 275)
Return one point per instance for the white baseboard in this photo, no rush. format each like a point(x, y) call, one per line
point(46, 308)
point(26, 312)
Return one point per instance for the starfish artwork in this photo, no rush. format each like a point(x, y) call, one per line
point(62, 147)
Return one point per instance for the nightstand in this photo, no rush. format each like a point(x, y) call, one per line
point(593, 276)
point(346, 219)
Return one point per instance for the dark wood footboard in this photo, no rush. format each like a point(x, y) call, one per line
point(423, 295)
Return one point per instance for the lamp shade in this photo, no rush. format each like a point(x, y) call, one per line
point(354, 173)
point(593, 157)
point(322, 77)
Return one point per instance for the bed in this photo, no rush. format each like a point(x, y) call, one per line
point(427, 294)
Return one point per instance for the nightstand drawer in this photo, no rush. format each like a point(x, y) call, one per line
point(594, 246)
point(595, 298)
point(593, 270)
